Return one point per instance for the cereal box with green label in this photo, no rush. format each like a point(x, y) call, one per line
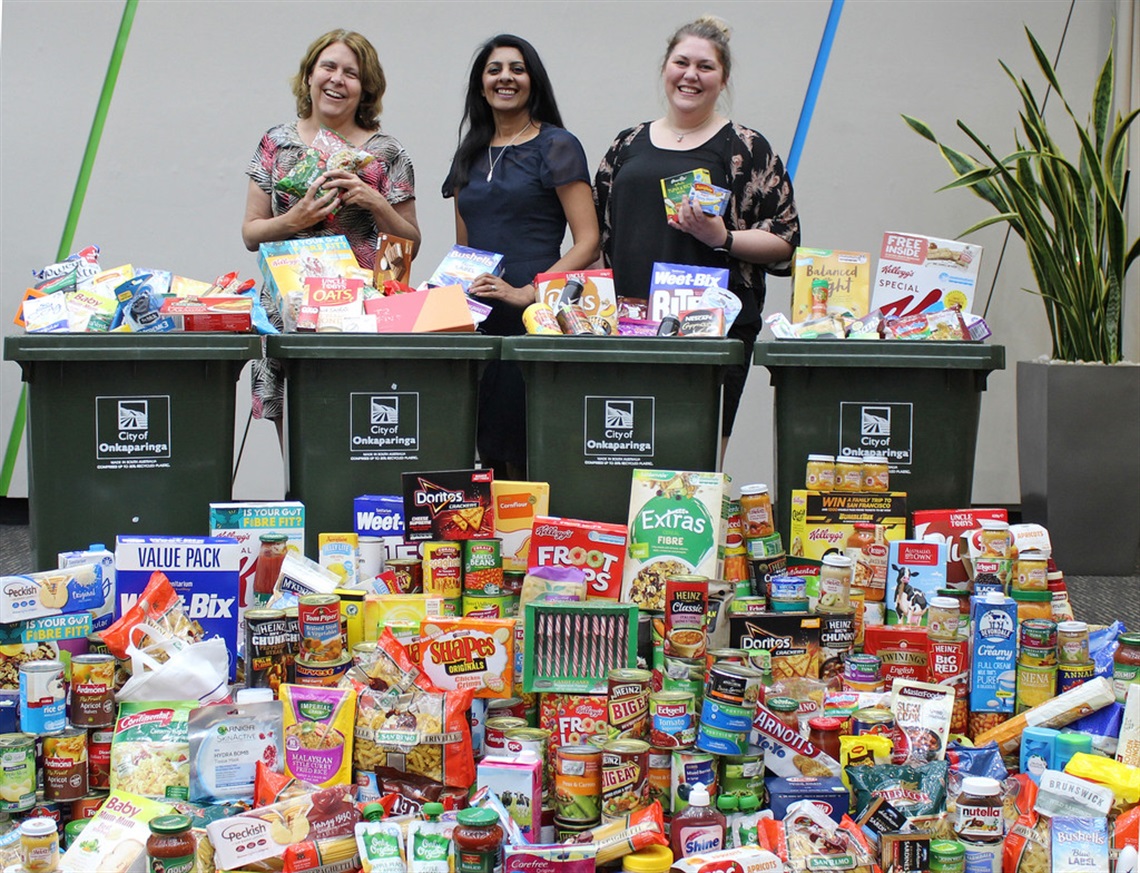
point(675, 522)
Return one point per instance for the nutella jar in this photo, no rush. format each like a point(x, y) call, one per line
point(980, 810)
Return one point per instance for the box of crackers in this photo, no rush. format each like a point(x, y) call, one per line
point(448, 505)
point(792, 640)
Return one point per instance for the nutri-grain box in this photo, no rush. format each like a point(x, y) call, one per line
point(675, 528)
point(517, 504)
point(949, 525)
point(596, 548)
point(924, 274)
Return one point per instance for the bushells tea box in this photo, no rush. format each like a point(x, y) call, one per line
point(203, 570)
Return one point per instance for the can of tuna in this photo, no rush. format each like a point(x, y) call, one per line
point(627, 704)
point(1069, 676)
point(65, 765)
point(578, 784)
point(672, 720)
point(409, 575)
point(495, 732)
point(1035, 685)
point(17, 772)
point(443, 569)
point(661, 778)
point(1038, 633)
point(318, 622)
point(625, 778)
point(762, 569)
point(726, 716)
point(99, 758)
point(513, 706)
point(266, 645)
point(483, 567)
point(688, 769)
point(742, 774)
point(92, 697)
point(719, 741)
point(836, 641)
point(490, 605)
point(726, 656)
point(733, 683)
point(536, 740)
point(321, 674)
point(43, 698)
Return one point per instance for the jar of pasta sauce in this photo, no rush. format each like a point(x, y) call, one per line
point(171, 846)
point(1126, 665)
point(478, 841)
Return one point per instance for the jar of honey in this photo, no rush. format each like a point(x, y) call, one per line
point(820, 475)
point(876, 473)
point(849, 474)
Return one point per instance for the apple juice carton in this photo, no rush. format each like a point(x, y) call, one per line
point(517, 783)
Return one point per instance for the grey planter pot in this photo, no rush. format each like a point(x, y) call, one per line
point(1078, 442)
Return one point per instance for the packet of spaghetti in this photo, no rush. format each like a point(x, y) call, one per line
point(630, 833)
point(322, 856)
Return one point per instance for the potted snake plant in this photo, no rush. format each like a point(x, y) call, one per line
point(1078, 410)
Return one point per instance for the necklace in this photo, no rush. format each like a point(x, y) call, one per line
point(681, 134)
point(495, 160)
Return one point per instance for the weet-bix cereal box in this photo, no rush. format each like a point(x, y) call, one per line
point(203, 570)
point(382, 515)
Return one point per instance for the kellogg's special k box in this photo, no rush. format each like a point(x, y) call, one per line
point(203, 570)
point(924, 274)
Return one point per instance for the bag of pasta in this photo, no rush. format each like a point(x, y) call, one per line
point(150, 750)
point(814, 841)
point(408, 727)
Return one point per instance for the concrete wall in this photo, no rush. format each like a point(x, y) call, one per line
point(200, 82)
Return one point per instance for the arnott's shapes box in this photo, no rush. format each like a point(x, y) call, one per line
point(203, 570)
point(675, 525)
point(821, 521)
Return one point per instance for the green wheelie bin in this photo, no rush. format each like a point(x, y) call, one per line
point(916, 402)
point(127, 433)
point(598, 407)
point(361, 409)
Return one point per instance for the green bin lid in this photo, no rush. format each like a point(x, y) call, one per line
point(195, 345)
point(616, 351)
point(380, 346)
point(879, 353)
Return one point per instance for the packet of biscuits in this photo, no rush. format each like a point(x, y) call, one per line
point(469, 654)
point(786, 751)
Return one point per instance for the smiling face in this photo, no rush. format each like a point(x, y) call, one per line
point(506, 82)
point(334, 85)
point(693, 77)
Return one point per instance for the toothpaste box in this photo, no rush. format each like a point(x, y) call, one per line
point(993, 667)
point(924, 274)
point(517, 504)
point(915, 571)
point(245, 523)
point(596, 548)
point(382, 515)
point(203, 570)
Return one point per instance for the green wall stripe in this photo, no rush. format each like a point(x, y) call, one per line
point(66, 240)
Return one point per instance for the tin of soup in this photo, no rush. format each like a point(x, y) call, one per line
point(495, 731)
point(43, 698)
point(672, 720)
point(65, 765)
point(92, 696)
point(266, 647)
point(318, 621)
point(661, 778)
point(17, 772)
point(625, 778)
point(578, 783)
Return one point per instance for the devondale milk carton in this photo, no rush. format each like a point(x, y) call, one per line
point(203, 570)
point(924, 274)
point(993, 665)
point(517, 504)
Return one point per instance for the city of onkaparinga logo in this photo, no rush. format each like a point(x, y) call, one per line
point(132, 429)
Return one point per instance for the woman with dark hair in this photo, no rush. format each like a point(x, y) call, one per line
point(761, 228)
point(518, 178)
point(339, 85)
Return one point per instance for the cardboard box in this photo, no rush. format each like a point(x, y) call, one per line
point(203, 570)
point(923, 274)
point(792, 640)
point(915, 571)
point(285, 264)
point(245, 523)
point(597, 548)
point(902, 650)
point(49, 638)
point(327, 300)
point(462, 264)
point(823, 520)
point(675, 528)
point(517, 504)
point(674, 288)
point(598, 298)
point(949, 525)
point(231, 314)
point(828, 793)
point(448, 505)
point(848, 276)
point(382, 515)
point(518, 785)
point(438, 310)
point(51, 592)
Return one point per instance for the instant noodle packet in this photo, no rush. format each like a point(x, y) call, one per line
point(319, 731)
